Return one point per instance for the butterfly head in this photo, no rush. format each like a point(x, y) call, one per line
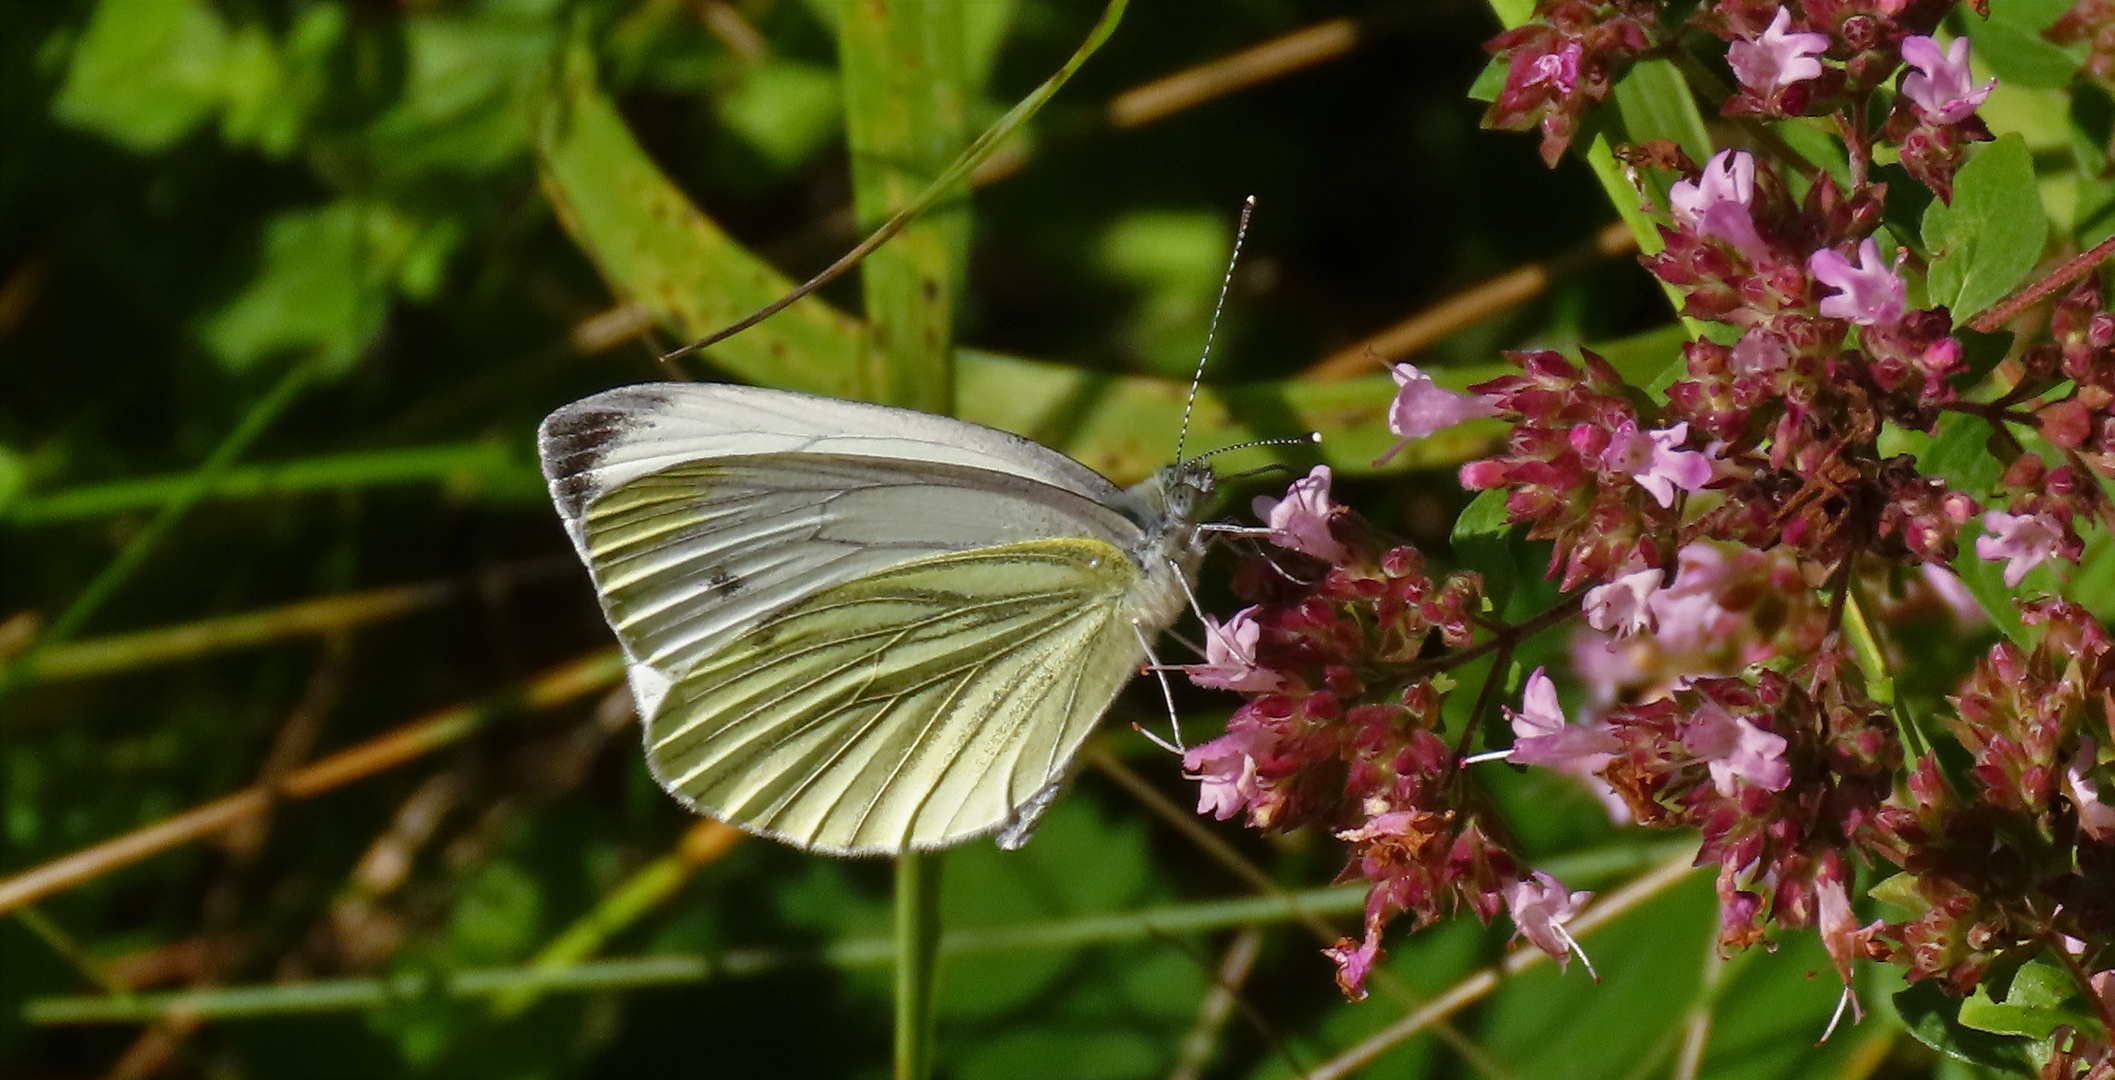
point(1188, 487)
point(1172, 502)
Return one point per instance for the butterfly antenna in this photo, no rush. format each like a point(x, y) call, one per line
point(1248, 206)
point(1309, 439)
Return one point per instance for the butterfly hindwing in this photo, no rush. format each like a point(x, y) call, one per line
point(910, 708)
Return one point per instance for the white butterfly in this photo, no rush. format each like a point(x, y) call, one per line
point(858, 629)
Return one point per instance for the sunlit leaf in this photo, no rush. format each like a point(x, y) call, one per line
point(146, 72)
point(1934, 1019)
point(784, 109)
point(1992, 235)
point(325, 284)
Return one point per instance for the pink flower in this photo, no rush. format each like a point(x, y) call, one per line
point(1839, 926)
point(1941, 87)
point(1869, 293)
point(1948, 587)
point(1760, 352)
point(1777, 59)
point(1720, 202)
point(1560, 69)
point(1540, 907)
point(2094, 816)
point(1300, 520)
point(2026, 540)
point(1422, 408)
point(1623, 606)
point(1690, 619)
point(1542, 736)
point(1354, 963)
point(1226, 771)
point(1650, 459)
point(1840, 932)
point(1737, 750)
point(1230, 656)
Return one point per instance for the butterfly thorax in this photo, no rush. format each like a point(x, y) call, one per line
point(1168, 506)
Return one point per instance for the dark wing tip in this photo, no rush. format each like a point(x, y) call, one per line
point(572, 440)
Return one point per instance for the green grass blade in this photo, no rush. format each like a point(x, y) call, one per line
point(119, 570)
point(904, 93)
point(485, 467)
point(958, 173)
point(657, 249)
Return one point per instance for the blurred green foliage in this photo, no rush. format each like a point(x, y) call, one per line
point(463, 213)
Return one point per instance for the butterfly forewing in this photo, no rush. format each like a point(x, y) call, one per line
point(910, 708)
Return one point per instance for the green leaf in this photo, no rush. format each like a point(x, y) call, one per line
point(14, 477)
point(325, 284)
point(1490, 82)
point(271, 88)
point(2015, 50)
point(1992, 235)
point(1981, 352)
point(1081, 862)
point(468, 84)
point(498, 915)
point(1819, 146)
point(785, 110)
point(1515, 570)
point(1934, 1019)
point(1959, 453)
point(1655, 103)
point(2041, 999)
point(1173, 260)
point(145, 73)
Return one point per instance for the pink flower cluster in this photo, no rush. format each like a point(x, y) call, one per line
point(1735, 549)
point(1340, 729)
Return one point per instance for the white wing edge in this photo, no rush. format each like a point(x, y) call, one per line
point(606, 439)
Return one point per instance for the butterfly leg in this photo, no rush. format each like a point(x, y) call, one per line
point(1184, 580)
point(1167, 693)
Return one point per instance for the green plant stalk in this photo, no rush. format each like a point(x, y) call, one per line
point(231, 1003)
point(70, 950)
point(648, 888)
point(1879, 681)
point(126, 652)
point(484, 465)
point(1468, 991)
point(120, 570)
point(917, 961)
point(680, 969)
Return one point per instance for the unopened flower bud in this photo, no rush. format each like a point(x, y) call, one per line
point(1959, 508)
point(2067, 423)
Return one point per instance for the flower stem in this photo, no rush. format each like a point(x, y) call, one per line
point(2078, 267)
point(917, 957)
